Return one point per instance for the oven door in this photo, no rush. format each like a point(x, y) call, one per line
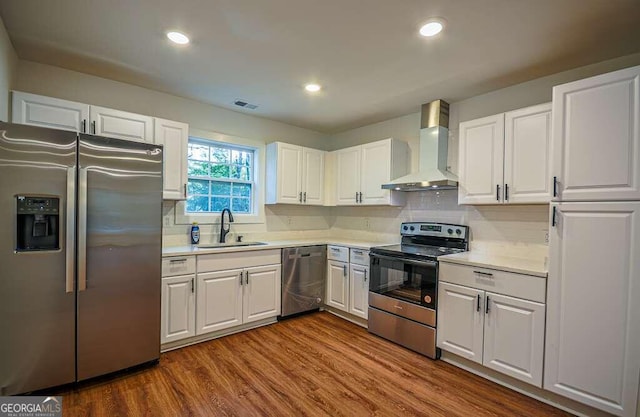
point(410, 280)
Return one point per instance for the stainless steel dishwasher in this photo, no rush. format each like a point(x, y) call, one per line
point(303, 278)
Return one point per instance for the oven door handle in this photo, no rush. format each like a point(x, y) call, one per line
point(431, 264)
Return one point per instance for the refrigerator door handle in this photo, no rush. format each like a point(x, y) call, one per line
point(82, 230)
point(70, 229)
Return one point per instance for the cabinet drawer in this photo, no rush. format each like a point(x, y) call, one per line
point(338, 253)
point(359, 257)
point(500, 282)
point(238, 260)
point(178, 265)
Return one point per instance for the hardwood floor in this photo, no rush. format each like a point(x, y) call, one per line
point(315, 365)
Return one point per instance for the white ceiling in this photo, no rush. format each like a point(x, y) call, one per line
point(366, 53)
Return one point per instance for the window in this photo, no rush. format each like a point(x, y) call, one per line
point(220, 176)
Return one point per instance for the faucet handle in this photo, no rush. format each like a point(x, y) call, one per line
point(239, 238)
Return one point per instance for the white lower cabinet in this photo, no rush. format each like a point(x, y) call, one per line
point(359, 290)
point(348, 280)
point(219, 303)
point(338, 285)
point(499, 331)
point(178, 308)
point(178, 314)
point(208, 293)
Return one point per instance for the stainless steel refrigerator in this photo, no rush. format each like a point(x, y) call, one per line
point(80, 256)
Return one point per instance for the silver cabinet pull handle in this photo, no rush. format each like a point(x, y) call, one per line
point(304, 197)
point(185, 190)
point(93, 127)
point(485, 274)
point(487, 309)
point(181, 261)
point(300, 197)
point(498, 192)
point(344, 270)
point(478, 304)
point(365, 275)
point(84, 125)
point(193, 287)
point(555, 186)
point(241, 278)
point(246, 273)
point(82, 230)
point(70, 229)
point(506, 192)
point(553, 217)
point(356, 196)
point(358, 252)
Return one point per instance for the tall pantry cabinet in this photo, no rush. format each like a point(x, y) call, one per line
point(592, 352)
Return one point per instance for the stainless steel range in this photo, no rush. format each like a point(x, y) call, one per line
point(403, 288)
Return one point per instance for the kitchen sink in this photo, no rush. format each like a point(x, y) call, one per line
point(230, 245)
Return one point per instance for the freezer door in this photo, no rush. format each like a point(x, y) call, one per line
point(119, 254)
point(37, 301)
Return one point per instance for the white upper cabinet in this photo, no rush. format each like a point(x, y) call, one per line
point(174, 137)
point(295, 175)
point(362, 170)
point(121, 124)
point(592, 351)
point(505, 158)
point(35, 110)
point(596, 130)
point(527, 155)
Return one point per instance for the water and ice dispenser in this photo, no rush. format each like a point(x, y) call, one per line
point(38, 223)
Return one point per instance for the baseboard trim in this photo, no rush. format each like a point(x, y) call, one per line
point(346, 316)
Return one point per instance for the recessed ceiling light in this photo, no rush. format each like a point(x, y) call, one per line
point(432, 28)
point(313, 88)
point(179, 38)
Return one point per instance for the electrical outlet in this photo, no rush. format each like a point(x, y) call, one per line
point(546, 238)
point(167, 221)
point(367, 223)
point(289, 220)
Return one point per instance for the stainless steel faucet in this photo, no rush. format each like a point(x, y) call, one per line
point(223, 231)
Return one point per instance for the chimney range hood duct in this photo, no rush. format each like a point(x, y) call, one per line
point(434, 140)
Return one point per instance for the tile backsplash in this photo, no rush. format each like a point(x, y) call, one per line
point(508, 229)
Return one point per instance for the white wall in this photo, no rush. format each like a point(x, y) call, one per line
point(71, 85)
point(8, 63)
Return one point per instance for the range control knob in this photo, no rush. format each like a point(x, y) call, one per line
point(405, 228)
point(412, 228)
point(450, 231)
point(458, 232)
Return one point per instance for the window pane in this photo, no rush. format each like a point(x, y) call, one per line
point(198, 187)
point(220, 171)
point(198, 169)
point(220, 203)
point(241, 158)
point(241, 190)
point(199, 152)
point(220, 155)
point(241, 205)
point(197, 203)
point(220, 188)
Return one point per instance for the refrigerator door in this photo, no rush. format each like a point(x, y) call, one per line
point(37, 299)
point(119, 254)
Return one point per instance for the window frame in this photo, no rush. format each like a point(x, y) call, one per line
point(182, 217)
point(210, 179)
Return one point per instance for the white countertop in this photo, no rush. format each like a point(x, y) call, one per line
point(279, 244)
point(530, 266)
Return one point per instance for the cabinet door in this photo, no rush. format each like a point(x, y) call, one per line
point(376, 170)
point(460, 320)
point(262, 293)
point(347, 175)
point(219, 300)
point(592, 351)
point(481, 157)
point(35, 110)
point(514, 337)
point(178, 308)
point(527, 155)
point(289, 175)
point(596, 131)
point(174, 137)
point(359, 290)
point(121, 124)
point(313, 176)
point(338, 285)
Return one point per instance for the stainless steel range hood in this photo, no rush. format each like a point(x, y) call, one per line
point(434, 140)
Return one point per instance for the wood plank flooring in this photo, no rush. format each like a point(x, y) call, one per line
point(315, 365)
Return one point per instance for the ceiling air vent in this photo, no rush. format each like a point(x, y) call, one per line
point(241, 103)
